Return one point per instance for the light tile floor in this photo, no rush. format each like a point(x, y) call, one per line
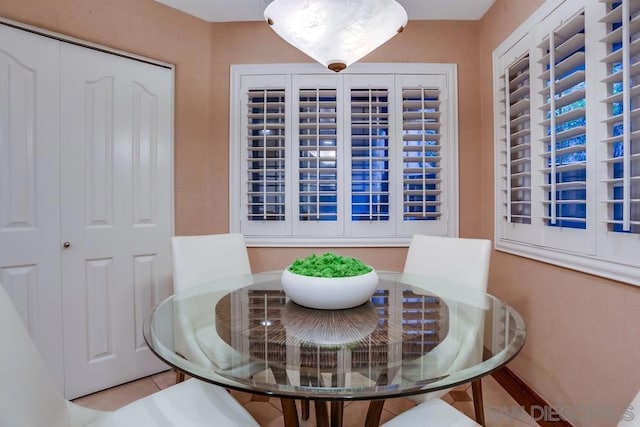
point(499, 407)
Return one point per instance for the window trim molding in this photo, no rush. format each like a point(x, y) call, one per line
point(235, 147)
point(593, 264)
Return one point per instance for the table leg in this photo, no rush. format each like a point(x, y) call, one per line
point(374, 413)
point(289, 412)
point(337, 408)
point(306, 378)
point(478, 404)
point(375, 406)
point(322, 416)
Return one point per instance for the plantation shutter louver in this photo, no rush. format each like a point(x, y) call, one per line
point(564, 124)
point(517, 153)
point(421, 157)
point(318, 155)
point(266, 155)
point(623, 116)
point(370, 154)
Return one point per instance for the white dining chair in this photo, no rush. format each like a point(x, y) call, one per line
point(434, 413)
point(631, 415)
point(196, 260)
point(199, 259)
point(29, 397)
point(461, 261)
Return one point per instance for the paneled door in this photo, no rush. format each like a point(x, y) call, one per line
point(29, 184)
point(85, 204)
point(116, 213)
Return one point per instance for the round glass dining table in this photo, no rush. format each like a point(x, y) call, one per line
point(416, 334)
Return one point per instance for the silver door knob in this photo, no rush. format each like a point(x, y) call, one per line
point(66, 245)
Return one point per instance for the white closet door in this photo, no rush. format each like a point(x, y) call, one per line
point(29, 188)
point(116, 200)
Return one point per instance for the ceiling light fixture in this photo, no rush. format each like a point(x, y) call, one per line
point(336, 33)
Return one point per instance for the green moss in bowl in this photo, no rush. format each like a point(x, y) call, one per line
point(329, 282)
point(329, 265)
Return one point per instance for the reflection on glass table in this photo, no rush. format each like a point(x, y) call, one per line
point(416, 335)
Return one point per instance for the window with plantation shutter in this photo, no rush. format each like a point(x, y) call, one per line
point(265, 155)
point(426, 155)
point(421, 153)
point(517, 169)
point(563, 143)
point(317, 155)
point(578, 203)
point(517, 142)
point(621, 145)
point(564, 125)
point(364, 157)
point(371, 132)
point(370, 118)
point(265, 169)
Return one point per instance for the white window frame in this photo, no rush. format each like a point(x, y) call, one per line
point(596, 250)
point(448, 226)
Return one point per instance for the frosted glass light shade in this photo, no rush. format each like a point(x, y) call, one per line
point(336, 33)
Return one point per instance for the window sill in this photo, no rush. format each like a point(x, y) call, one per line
point(328, 242)
point(579, 262)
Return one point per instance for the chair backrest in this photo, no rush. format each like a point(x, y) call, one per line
point(28, 395)
point(459, 261)
point(198, 259)
point(464, 261)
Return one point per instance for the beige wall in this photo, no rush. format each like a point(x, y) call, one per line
point(583, 346)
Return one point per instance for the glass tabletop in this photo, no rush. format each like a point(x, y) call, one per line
point(415, 335)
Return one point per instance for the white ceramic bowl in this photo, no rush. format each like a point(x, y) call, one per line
point(329, 293)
